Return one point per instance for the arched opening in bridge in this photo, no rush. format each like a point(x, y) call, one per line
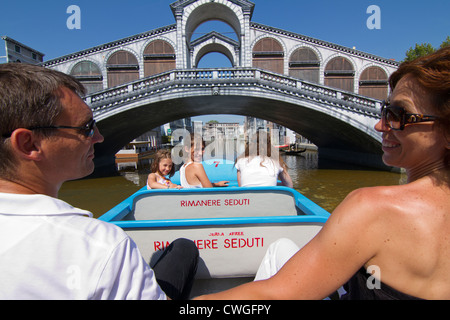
point(215, 12)
point(214, 60)
point(221, 118)
point(214, 25)
point(225, 135)
point(339, 135)
point(214, 45)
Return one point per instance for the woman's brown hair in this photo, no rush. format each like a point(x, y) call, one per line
point(432, 72)
point(261, 147)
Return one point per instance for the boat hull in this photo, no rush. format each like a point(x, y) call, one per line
point(232, 227)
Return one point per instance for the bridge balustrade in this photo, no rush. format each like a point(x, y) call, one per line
point(112, 98)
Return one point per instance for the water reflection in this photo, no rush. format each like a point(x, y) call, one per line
point(326, 187)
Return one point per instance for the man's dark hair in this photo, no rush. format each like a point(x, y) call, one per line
point(29, 97)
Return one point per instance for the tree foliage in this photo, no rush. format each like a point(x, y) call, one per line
point(423, 49)
point(446, 42)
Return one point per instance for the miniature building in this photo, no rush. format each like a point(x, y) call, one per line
point(18, 52)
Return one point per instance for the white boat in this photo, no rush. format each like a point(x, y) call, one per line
point(231, 226)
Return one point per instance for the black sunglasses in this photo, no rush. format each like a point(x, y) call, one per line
point(88, 130)
point(397, 118)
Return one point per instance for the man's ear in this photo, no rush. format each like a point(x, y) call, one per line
point(26, 145)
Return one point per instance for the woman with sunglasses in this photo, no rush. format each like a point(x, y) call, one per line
point(387, 242)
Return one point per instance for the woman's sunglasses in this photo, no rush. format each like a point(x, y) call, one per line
point(397, 118)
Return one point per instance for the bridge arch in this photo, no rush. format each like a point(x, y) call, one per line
point(338, 138)
point(215, 42)
point(205, 10)
point(341, 124)
point(214, 47)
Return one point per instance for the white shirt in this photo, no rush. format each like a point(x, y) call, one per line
point(51, 250)
point(183, 181)
point(255, 174)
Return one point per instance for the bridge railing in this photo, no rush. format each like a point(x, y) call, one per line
point(115, 97)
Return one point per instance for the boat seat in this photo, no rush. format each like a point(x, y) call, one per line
point(213, 203)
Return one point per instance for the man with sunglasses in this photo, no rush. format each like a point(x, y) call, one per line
point(384, 242)
point(49, 249)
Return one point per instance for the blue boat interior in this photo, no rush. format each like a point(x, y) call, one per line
point(214, 206)
point(228, 224)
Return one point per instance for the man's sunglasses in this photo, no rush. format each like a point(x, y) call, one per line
point(88, 130)
point(397, 118)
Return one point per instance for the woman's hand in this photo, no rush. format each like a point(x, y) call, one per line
point(221, 184)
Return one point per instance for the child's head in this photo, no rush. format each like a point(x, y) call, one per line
point(259, 144)
point(197, 147)
point(162, 164)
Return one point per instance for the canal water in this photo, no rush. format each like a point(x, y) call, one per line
point(326, 187)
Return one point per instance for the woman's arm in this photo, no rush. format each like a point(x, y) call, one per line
point(174, 186)
point(200, 173)
point(220, 184)
point(286, 179)
point(339, 250)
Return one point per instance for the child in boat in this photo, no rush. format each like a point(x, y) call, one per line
point(192, 173)
point(261, 165)
point(161, 167)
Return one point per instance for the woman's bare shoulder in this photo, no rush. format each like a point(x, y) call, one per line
point(195, 166)
point(369, 204)
point(373, 195)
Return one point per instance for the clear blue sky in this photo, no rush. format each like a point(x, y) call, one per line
point(42, 24)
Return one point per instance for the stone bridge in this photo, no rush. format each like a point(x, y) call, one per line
point(326, 92)
point(340, 123)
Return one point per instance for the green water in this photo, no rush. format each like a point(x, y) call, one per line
point(325, 187)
